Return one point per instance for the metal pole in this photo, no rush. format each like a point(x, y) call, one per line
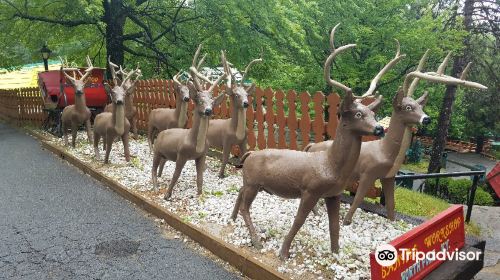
point(472, 195)
point(46, 64)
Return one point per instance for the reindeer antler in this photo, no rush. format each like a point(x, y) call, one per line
point(195, 74)
point(112, 69)
point(227, 69)
point(331, 57)
point(176, 79)
point(420, 66)
point(384, 70)
point(440, 77)
point(198, 65)
point(248, 68)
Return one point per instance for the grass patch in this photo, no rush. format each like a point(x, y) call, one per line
point(418, 204)
point(472, 229)
point(420, 167)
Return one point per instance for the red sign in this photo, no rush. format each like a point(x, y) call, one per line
point(444, 233)
point(494, 178)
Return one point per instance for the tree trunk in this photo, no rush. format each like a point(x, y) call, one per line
point(114, 17)
point(449, 97)
point(480, 143)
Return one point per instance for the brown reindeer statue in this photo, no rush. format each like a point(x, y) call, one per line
point(310, 176)
point(381, 159)
point(130, 109)
point(75, 115)
point(181, 145)
point(115, 124)
point(165, 118)
point(223, 134)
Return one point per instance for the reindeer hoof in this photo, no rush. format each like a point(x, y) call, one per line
point(347, 222)
point(335, 248)
point(167, 196)
point(284, 254)
point(221, 176)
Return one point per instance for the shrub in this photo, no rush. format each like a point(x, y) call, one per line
point(432, 188)
point(458, 191)
point(483, 198)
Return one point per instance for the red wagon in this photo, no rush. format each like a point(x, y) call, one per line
point(57, 93)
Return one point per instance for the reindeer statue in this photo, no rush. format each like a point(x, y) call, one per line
point(223, 134)
point(381, 159)
point(310, 176)
point(165, 118)
point(130, 109)
point(181, 145)
point(75, 115)
point(115, 124)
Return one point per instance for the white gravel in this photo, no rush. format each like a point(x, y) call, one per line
point(310, 252)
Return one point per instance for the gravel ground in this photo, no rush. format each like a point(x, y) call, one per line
point(310, 254)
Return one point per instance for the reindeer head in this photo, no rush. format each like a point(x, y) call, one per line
point(128, 84)
point(78, 84)
point(354, 116)
point(410, 111)
point(182, 91)
point(203, 99)
point(238, 92)
point(121, 88)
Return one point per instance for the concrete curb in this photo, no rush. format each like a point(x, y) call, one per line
point(243, 261)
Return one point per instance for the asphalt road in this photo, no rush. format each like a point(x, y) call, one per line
point(57, 223)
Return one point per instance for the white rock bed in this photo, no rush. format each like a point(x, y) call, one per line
point(272, 215)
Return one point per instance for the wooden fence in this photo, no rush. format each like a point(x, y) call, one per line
point(277, 119)
point(22, 106)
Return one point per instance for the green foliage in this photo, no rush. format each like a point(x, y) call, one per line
point(457, 191)
point(415, 152)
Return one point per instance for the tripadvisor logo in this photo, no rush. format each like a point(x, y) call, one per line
point(386, 255)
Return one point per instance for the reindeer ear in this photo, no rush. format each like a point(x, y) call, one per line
point(347, 102)
point(219, 99)
point(108, 88)
point(423, 99)
point(376, 104)
point(192, 90)
point(398, 98)
point(131, 89)
point(251, 89)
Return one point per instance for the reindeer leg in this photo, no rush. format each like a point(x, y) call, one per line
point(65, 134)
point(226, 150)
point(200, 168)
point(179, 164)
point(364, 185)
point(162, 165)
point(243, 150)
point(248, 194)
point(96, 145)
point(104, 141)
point(89, 132)
point(388, 189)
point(237, 205)
point(307, 203)
point(150, 137)
point(126, 146)
point(74, 131)
point(156, 161)
point(134, 128)
point(333, 209)
point(109, 143)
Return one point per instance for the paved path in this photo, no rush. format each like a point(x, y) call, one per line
point(56, 223)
